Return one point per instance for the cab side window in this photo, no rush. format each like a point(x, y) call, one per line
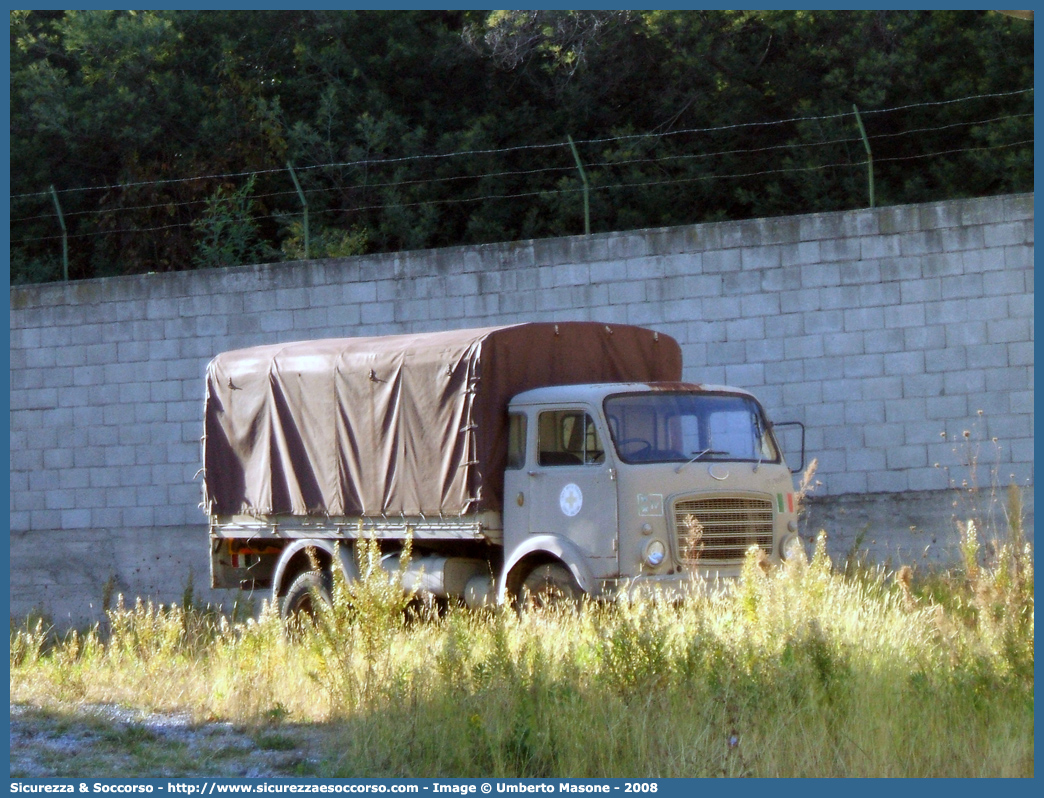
point(568, 437)
point(516, 440)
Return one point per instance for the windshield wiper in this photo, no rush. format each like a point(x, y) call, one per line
point(696, 457)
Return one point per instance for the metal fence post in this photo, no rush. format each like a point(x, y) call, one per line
point(65, 235)
point(304, 204)
point(869, 155)
point(587, 188)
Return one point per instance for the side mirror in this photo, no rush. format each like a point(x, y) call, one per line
point(790, 437)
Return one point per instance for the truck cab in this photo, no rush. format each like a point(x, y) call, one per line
point(634, 484)
point(516, 461)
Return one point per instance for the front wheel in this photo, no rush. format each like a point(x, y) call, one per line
point(549, 585)
point(305, 590)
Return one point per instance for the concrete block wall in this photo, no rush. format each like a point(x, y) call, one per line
point(885, 331)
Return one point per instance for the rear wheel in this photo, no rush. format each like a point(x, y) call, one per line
point(549, 585)
point(304, 591)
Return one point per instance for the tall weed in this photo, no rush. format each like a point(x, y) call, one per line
point(799, 669)
point(351, 640)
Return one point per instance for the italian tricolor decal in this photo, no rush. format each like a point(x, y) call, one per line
point(789, 505)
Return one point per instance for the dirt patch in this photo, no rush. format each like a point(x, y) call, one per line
point(102, 741)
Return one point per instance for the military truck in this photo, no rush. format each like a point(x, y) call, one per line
point(522, 462)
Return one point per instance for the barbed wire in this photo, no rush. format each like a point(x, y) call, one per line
point(699, 178)
point(560, 191)
point(530, 172)
point(520, 148)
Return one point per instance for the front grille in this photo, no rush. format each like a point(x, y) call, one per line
point(719, 530)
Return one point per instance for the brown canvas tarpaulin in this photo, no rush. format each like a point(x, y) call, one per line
point(399, 424)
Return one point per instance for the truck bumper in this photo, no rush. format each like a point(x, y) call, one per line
point(671, 586)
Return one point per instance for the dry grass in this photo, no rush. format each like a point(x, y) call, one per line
point(798, 671)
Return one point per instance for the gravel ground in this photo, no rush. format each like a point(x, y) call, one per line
point(98, 741)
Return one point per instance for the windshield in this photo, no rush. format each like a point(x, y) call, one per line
point(664, 427)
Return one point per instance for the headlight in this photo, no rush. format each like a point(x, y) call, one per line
point(654, 553)
point(791, 547)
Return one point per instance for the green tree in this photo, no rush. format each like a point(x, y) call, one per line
point(142, 119)
point(226, 231)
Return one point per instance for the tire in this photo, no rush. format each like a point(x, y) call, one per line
point(299, 601)
point(549, 585)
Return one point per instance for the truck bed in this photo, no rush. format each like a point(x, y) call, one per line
point(485, 526)
point(405, 425)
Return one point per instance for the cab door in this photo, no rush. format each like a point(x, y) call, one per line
point(572, 485)
point(517, 481)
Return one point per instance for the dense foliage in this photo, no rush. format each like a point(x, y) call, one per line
point(430, 128)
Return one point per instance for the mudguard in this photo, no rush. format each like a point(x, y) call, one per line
point(338, 550)
point(561, 548)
